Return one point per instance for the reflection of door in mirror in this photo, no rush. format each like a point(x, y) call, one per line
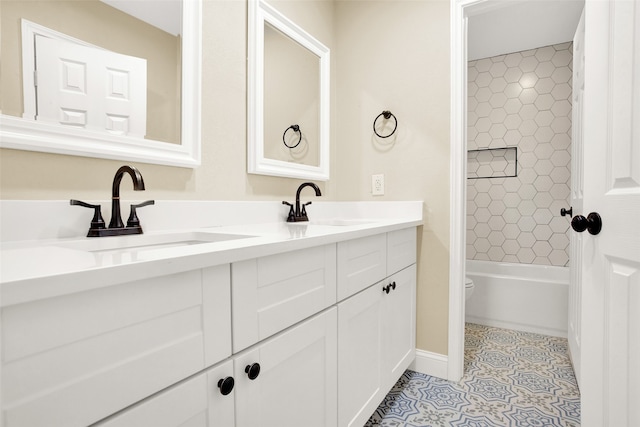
point(96, 23)
point(291, 97)
point(90, 88)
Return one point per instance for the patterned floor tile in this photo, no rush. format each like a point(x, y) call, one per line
point(490, 389)
point(444, 395)
point(512, 379)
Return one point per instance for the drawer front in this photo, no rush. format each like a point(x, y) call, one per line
point(75, 359)
point(361, 263)
point(272, 293)
point(193, 403)
point(401, 249)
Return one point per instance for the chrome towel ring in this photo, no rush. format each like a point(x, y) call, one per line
point(295, 128)
point(387, 115)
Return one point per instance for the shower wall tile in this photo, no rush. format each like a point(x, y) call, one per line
point(521, 100)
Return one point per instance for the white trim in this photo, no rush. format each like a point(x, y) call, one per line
point(259, 13)
point(22, 134)
point(428, 363)
point(516, 326)
point(460, 10)
point(457, 191)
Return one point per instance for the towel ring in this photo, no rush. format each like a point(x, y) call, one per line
point(295, 128)
point(387, 115)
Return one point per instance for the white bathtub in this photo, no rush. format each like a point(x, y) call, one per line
point(525, 297)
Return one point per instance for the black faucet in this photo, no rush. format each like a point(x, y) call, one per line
point(138, 185)
point(116, 226)
point(298, 214)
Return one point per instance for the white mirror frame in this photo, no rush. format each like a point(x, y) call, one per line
point(21, 134)
point(259, 13)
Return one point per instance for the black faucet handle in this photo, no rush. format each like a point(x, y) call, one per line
point(291, 215)
point(97, 222)
point(303, 212)
point(133, 220)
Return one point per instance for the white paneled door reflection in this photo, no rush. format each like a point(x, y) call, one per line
point(91, 88)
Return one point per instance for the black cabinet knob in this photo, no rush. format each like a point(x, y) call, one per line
point(252, 371)
point(390, 287)
point(226, 385)
point(592, 223)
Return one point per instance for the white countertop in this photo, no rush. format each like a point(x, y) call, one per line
point(43, 268)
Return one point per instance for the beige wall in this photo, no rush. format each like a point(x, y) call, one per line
point(98, 24)
point(390, 54)
point(394, 55)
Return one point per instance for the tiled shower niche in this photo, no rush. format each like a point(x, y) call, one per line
point(492, 163)
point(521, 100)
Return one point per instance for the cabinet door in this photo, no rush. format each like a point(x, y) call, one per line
point(376, 343)
point(197, 402)
point(75, 359)
point(361, 263)
point(360, 341)
point(274, 292)
point(296, 384)
point(399, 325)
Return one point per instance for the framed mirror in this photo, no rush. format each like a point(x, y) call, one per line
point(288, 90)
point(169, 130)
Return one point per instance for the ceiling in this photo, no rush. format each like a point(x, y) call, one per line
point(163, 14)
point(506, 26)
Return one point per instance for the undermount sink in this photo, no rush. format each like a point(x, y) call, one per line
point(141, 242)
point(340, 222)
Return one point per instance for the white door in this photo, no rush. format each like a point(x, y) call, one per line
point(610, 347)
point(90, 88)
point(577, 189)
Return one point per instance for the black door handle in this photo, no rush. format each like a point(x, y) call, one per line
point(592, 223)
point(565, 212)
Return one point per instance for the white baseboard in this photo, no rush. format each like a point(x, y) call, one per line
point(428, 363)
point(517, 326)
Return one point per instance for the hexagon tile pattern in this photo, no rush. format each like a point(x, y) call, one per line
point(522, 100)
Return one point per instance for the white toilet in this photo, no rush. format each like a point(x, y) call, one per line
point(468, 288)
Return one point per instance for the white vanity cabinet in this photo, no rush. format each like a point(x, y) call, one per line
point(74, 359)
point(376, 333)
point(310, 337)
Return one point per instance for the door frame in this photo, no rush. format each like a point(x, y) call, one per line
point(461, 10)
